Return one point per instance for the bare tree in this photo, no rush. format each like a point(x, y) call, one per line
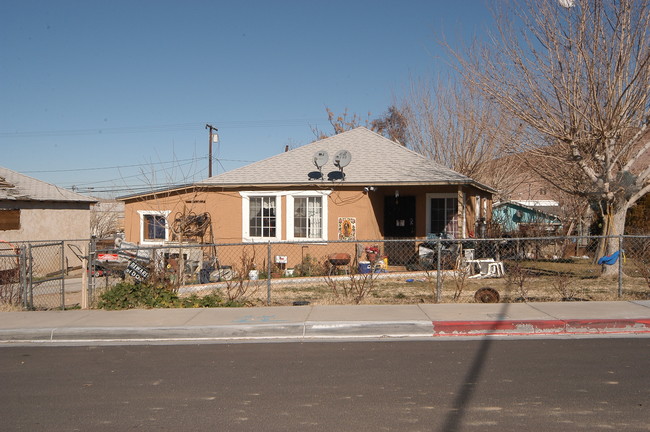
point(455, 126)
point(340, 123)
point(393, 125)
point(577, 75)
point(105, 218)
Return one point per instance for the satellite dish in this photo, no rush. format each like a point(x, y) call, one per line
point(320, 158)
point(342, 159)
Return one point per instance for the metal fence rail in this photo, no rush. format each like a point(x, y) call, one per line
point(50, 275)
point(520, 269)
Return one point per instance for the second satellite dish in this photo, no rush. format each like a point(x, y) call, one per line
point(320, 158)
point(342, 159)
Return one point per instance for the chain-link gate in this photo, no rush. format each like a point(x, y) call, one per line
point(32, 275)
point(45, 276)
point(12, 274)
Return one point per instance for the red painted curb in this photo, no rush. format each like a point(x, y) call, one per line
point(523, 327)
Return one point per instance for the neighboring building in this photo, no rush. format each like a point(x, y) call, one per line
point(527, 217)
point(386, 191)
point(107, 218)
point(33, 210)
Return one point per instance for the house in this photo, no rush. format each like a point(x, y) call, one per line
point(32, 210)
point(528, 217)
point(356, 185)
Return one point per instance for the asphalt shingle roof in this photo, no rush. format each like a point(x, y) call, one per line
point(19, 187)
point(375, 160)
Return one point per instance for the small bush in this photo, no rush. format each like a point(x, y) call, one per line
point(126, 295)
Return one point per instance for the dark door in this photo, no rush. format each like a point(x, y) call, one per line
point(399, 222)
point(399, 217)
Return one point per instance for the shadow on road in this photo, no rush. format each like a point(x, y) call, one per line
point(454, 418)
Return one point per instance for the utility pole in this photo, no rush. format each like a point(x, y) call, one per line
point(212, 138)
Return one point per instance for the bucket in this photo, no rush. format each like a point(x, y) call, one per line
point(364, 266)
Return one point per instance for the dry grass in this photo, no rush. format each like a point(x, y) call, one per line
point(422, 290)
point(7, 307)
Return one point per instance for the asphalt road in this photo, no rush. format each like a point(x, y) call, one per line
point(487, 385)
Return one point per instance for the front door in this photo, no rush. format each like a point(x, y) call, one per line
point(399, 223)
point(399, 217)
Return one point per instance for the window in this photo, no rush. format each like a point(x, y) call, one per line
point(9, 220)
point(153, 226)
point(442, 211)
point(308, 217)
point(262, 217)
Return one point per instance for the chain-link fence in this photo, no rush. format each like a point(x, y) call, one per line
point(391, 271)
point(41, 275)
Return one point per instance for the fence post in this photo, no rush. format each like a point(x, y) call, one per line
point(620, 266)
point(438, 275)
point(84, 278)
point(268, 275)
point(62, 275)
point(30, 275)
point(23, 275)
point(92, 255)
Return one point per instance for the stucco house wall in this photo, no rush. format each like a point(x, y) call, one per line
point(48, 221)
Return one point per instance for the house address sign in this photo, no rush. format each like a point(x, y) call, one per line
point(137, 271)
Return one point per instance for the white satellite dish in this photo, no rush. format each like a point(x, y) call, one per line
point(342, 159)
point(320, 158)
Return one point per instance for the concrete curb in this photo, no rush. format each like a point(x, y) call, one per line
point(327, 330)
point(295, 331)
point(540, 327)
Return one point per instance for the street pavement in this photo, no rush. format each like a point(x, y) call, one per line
point(305, 323)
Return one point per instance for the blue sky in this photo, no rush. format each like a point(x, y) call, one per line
point(113, 95)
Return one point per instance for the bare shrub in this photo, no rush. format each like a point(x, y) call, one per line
point(10, 292)
point(352, 287)
point(517, 277)
point(563, 285)
point(460, 276)
point(240, 287)
point(309, 266)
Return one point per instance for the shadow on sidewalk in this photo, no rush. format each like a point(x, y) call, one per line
point(454, 418)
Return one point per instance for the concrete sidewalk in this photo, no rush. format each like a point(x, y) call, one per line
point(325, 322)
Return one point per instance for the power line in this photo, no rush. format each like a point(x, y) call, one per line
point(235, 124)
point(113, 167)
point(133, 166)
point(134, 175)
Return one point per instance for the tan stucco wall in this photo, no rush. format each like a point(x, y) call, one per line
point(51, 221)
point(225, 209)
point(50, 224)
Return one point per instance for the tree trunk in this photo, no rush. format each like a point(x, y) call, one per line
point(615, 223)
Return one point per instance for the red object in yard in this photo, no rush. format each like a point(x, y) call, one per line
point(339, 259)
point(107, 257)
